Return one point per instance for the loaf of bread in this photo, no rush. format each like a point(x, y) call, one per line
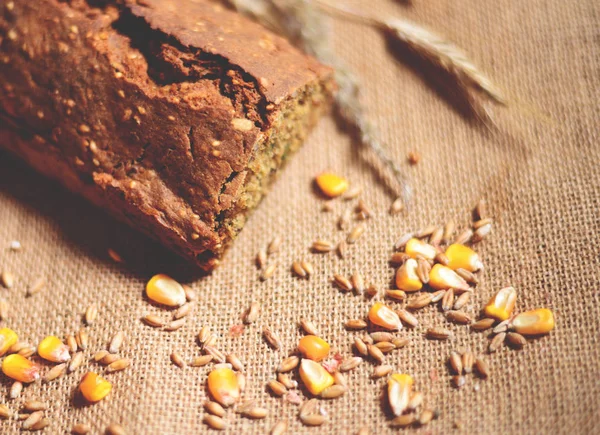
point(173, 115)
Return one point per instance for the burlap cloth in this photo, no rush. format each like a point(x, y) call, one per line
point(538, 171)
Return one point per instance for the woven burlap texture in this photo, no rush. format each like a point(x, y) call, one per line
point(538, 171)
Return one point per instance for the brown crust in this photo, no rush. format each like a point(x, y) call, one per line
point(154, 109)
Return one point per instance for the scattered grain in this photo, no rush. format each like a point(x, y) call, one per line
point(201, 361)
point(407, 318)
point(75, 362)
point(261, 259)
point(448, 300)
point(175, 324)
point(272, 338)
point(482, 367)
point(268, 272)
point(438, 333)
point(459, 381)
point(442, 258)
point(34, 405)
point(340, 379)
point(333, 392)
point(342, 248)
point(355, 324)
point(116, 342)
point(385, 346)
point(496, 342)
point(350, 364)
point(481, 222)
point(397, 206)
point(481, 209)
point(456, 363)
point(464, 237)
point(352, 193)
point(277, 387)
point(459, 317)
point(515, 339)
point(82, 339)
point(361, 347)
point(214, 408)
point(177, 360)
point(15, 390)
point(468, 359)
point(279, 428)
point(470, 277)
point(251, 315)
point(416, 400)
point(217, 355)
point(401, 342)
point(322, 246)
point(214, 422)
point(420, 301)
point(426, 416)
point(481, 232)
point(55, 372)
point(80, 429)
point(7, 279)
point(256, 413)
point(313, 419)
point(502, 326)
point(423, 269)
point(342, 282)
point(403, 240)
point(32, 419)
point(122, 364)
point(38, 285)
point(274, 245)
point(398, 295)
point(109, 358)
point(404, 420)
point(182, 311)
point(288, 364)
point(309, 327)
point(153, 320)
point(376, 353)
point(483, 324)
point(286, 381)
point(344, 219)
point(381, 371)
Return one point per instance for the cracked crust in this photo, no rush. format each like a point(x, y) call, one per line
point(174, 115)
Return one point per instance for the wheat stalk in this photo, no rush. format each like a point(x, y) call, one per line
point(304, 25)
point(442, 53)
point(470, 81)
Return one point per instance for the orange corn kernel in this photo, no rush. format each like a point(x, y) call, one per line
point(399, 392)
point(313, 347)
point(442, 278)
point(20, 369)
point(165, 290)
point(383, 316)
point(415, 247)
point(502, 304)
point(53, 349)
point(223, 386)
point(463, 257)
point(94, 387)
point(406, 276)
point(331, 185)
point(8, 338)
point(314, 376)
point(534, 322)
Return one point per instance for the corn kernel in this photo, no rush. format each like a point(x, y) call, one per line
point(502, 304)
point(406, 276)
point(223, 386)
point(383, 316)
point(314, 376)
point(19, 368)
point(535, 322)
point(165, 290)
point(313, 347)
point(331, 185)
point(463, 257)
point(415, 247)
point(399, 392)
point(442, 278)
point(53, 349)
point(8, 338)
point(94, 387)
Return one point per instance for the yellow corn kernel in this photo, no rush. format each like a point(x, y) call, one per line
point(399, 392)
point(383, 316)
point(406, 276)
point(223, 386)
point(314, 376)
point(8, 338)
point(313, 347)
point(442, 278)
point(463, 257)
point(535, 322)
point(165, 290)
point(331, 185)
point(94, 387)
point(53, 349)
point(20, 369)
point(502, 304)
point(415, 247)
